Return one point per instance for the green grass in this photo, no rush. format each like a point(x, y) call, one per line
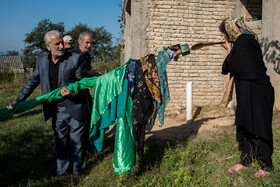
point(26, 158)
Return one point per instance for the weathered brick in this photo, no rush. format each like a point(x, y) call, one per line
point(190, 21)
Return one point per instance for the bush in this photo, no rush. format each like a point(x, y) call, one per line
point(6, 77)
point(14, 78)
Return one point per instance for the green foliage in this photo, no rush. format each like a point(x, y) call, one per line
point(6, 76)
point(13, 78)
point(108, 62)
point(103, 53)
point(12, 53)
point(35, 41)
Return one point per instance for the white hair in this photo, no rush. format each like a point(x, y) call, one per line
point(47, 37)
point(83, 35)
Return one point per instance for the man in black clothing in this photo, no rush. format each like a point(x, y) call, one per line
point(85, 42)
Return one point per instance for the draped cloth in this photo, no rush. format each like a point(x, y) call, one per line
point(162, 61)
point(47, 98)
point(106, 88)
point(124, 154)
point(113, 91)
point(112, 102)
point(98, 130)
point(142, 108)
point(150, 71)
point(131, 78)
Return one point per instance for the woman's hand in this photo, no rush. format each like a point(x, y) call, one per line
point(227, 46)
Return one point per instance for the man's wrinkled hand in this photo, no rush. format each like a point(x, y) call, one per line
point(12, 105)
point(64, 92)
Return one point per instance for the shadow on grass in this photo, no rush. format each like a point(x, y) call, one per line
point(160, 140)
point(108, 149)
point(25, 156)
point(29, 113)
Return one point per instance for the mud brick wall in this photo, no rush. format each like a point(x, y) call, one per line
point(190, 21)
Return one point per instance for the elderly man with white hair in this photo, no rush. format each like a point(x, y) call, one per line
point(57, 69)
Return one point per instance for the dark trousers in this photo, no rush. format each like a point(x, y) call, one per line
point(90, 148)
point(256, 148)
point(64, 125)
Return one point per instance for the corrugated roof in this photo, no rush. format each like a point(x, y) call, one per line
point(11, 62)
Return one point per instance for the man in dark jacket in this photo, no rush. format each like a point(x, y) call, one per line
point(85, 42)
point(54, 70)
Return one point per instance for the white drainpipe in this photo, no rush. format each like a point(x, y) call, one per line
point(189, 102)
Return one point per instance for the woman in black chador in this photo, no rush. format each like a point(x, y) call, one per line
point(254, 94)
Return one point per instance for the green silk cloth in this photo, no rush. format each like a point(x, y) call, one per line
point(111, 101)
point(29, 104)
point(125, 146)
point(162, 61)
point(106, 88)
point(98, 130)
point(47, 98)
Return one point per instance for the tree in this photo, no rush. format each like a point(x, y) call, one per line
point(35, 41)
point(12, 53)
point(103, 52)
point(109, 62)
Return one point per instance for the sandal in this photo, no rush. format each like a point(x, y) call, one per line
point(261, 173)
point(236, 168)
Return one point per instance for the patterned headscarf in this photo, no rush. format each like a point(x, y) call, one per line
point(235, 27)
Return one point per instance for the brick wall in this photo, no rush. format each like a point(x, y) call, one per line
point(190, 21)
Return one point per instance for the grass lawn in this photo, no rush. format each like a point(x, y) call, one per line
point(26, 157)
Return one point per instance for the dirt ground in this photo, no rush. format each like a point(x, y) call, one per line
point(206, 120)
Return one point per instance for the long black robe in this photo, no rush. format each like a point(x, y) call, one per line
point(142, 109)
point(254, 92)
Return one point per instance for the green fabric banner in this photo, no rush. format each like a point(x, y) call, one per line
point(125, 146)
point(47, 98)
point(106, 88)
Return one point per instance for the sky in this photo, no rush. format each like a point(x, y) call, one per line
point(19, 17)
